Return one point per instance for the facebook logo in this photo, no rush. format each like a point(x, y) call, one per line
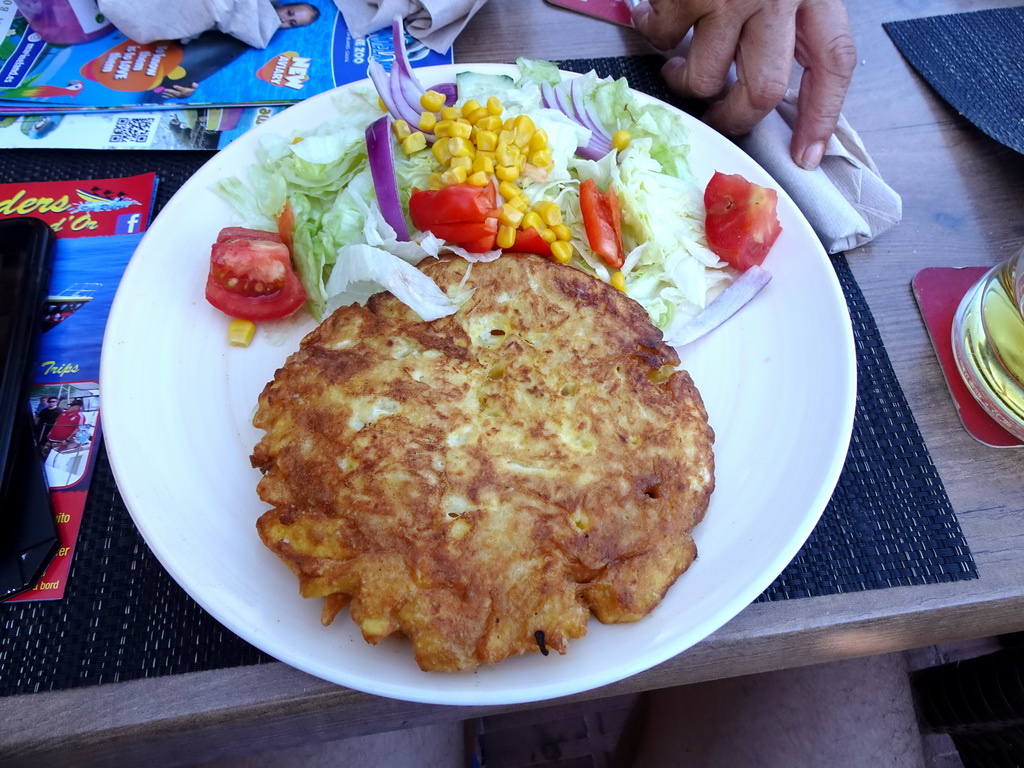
point(127, 223)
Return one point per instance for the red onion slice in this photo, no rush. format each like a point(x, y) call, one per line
point(725, 305)
point(554, 98)
point(393, 101)
point(382, 168)
point(450, 91)
point(401, 71)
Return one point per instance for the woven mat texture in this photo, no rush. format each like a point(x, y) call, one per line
point(889, 522)
point(975, 61)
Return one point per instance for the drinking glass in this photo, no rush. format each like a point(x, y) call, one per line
point(988, 343)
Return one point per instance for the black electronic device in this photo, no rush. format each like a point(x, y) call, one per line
point(28, 533)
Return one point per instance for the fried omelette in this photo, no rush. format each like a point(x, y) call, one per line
point(481, 483)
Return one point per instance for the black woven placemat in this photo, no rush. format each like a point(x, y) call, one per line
point(975, 61)
point(889, 522)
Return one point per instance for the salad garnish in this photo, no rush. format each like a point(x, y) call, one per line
point(577, 170)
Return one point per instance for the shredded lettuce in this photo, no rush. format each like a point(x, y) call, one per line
point(344, 250)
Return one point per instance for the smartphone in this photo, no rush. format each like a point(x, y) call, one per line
point(28, 532)
point(615, 11)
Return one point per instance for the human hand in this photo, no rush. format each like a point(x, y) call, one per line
point(762, 38)
point(179, 91)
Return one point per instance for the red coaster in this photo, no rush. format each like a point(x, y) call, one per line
point(938, 291)
point(617, 11)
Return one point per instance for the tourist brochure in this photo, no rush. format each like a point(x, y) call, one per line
point(98, 224)
point(212, 128)
point(210, 70)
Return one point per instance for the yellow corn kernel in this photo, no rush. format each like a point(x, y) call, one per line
point(506, 236)
point(525, 123)
point(441, 153)
point(548, 235)
point(450, 113)
point(539, 140)
point(509, 124)
point(454, 176)
point(433, 101)
point(442, 129)
point(458, 147)
point(485, 153)
point(240, 332)
point(427, 121)
point(562, 251)
point(562, 232)
point(523, 131)
point(478, 179)
point(621, 139)
point(470, 106)
point(494, 105)
point(297, 139)
point(414, 142)
point(401, 129)
point(507, 172)
point(541, 158)
point(506, 154)
point(435, 181)
point(521, 163)
point(509, 190)
point(460, 130)
point(510, 216)
point(549, 212)
point(618, 281)
point(532, 220)
point(381, 104)
point(520, 203)
point(484, 164)
point(491, 123)
point(465, 163)
point(477, 115)
point(506, 136)
point(486, 140)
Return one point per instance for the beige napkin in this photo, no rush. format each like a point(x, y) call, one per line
point(435, 23)
point(845, 199)
point(145, 21)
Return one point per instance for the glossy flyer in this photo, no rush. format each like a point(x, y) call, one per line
point(211, 69)
point(98, 224)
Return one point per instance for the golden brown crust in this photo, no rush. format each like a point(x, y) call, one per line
point(483, 482)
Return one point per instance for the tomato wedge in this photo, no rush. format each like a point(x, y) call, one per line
point(466, 231)
point(286, 223)
point(462, 214)
point(602, 221)
point(244, 233)
point(251, 276)
point(456, 202)
point(529, 241)
point(741, 224)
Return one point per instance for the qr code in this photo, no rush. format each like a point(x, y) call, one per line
point(132, 130)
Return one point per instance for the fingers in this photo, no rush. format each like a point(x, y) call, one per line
point(759, 37)
point(704, 72)
point(664, 22)
point(826, 50)
point(764, 61)
point(762, 38)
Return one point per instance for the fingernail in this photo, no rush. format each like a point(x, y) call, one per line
point(812, 156)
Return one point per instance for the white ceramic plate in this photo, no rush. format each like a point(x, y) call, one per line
point(778, 381)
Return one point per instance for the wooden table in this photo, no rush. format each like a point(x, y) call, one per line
point(963, 203)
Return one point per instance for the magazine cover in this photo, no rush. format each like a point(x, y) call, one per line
point(98, 224)
point(211, 69)
point(212, 128)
